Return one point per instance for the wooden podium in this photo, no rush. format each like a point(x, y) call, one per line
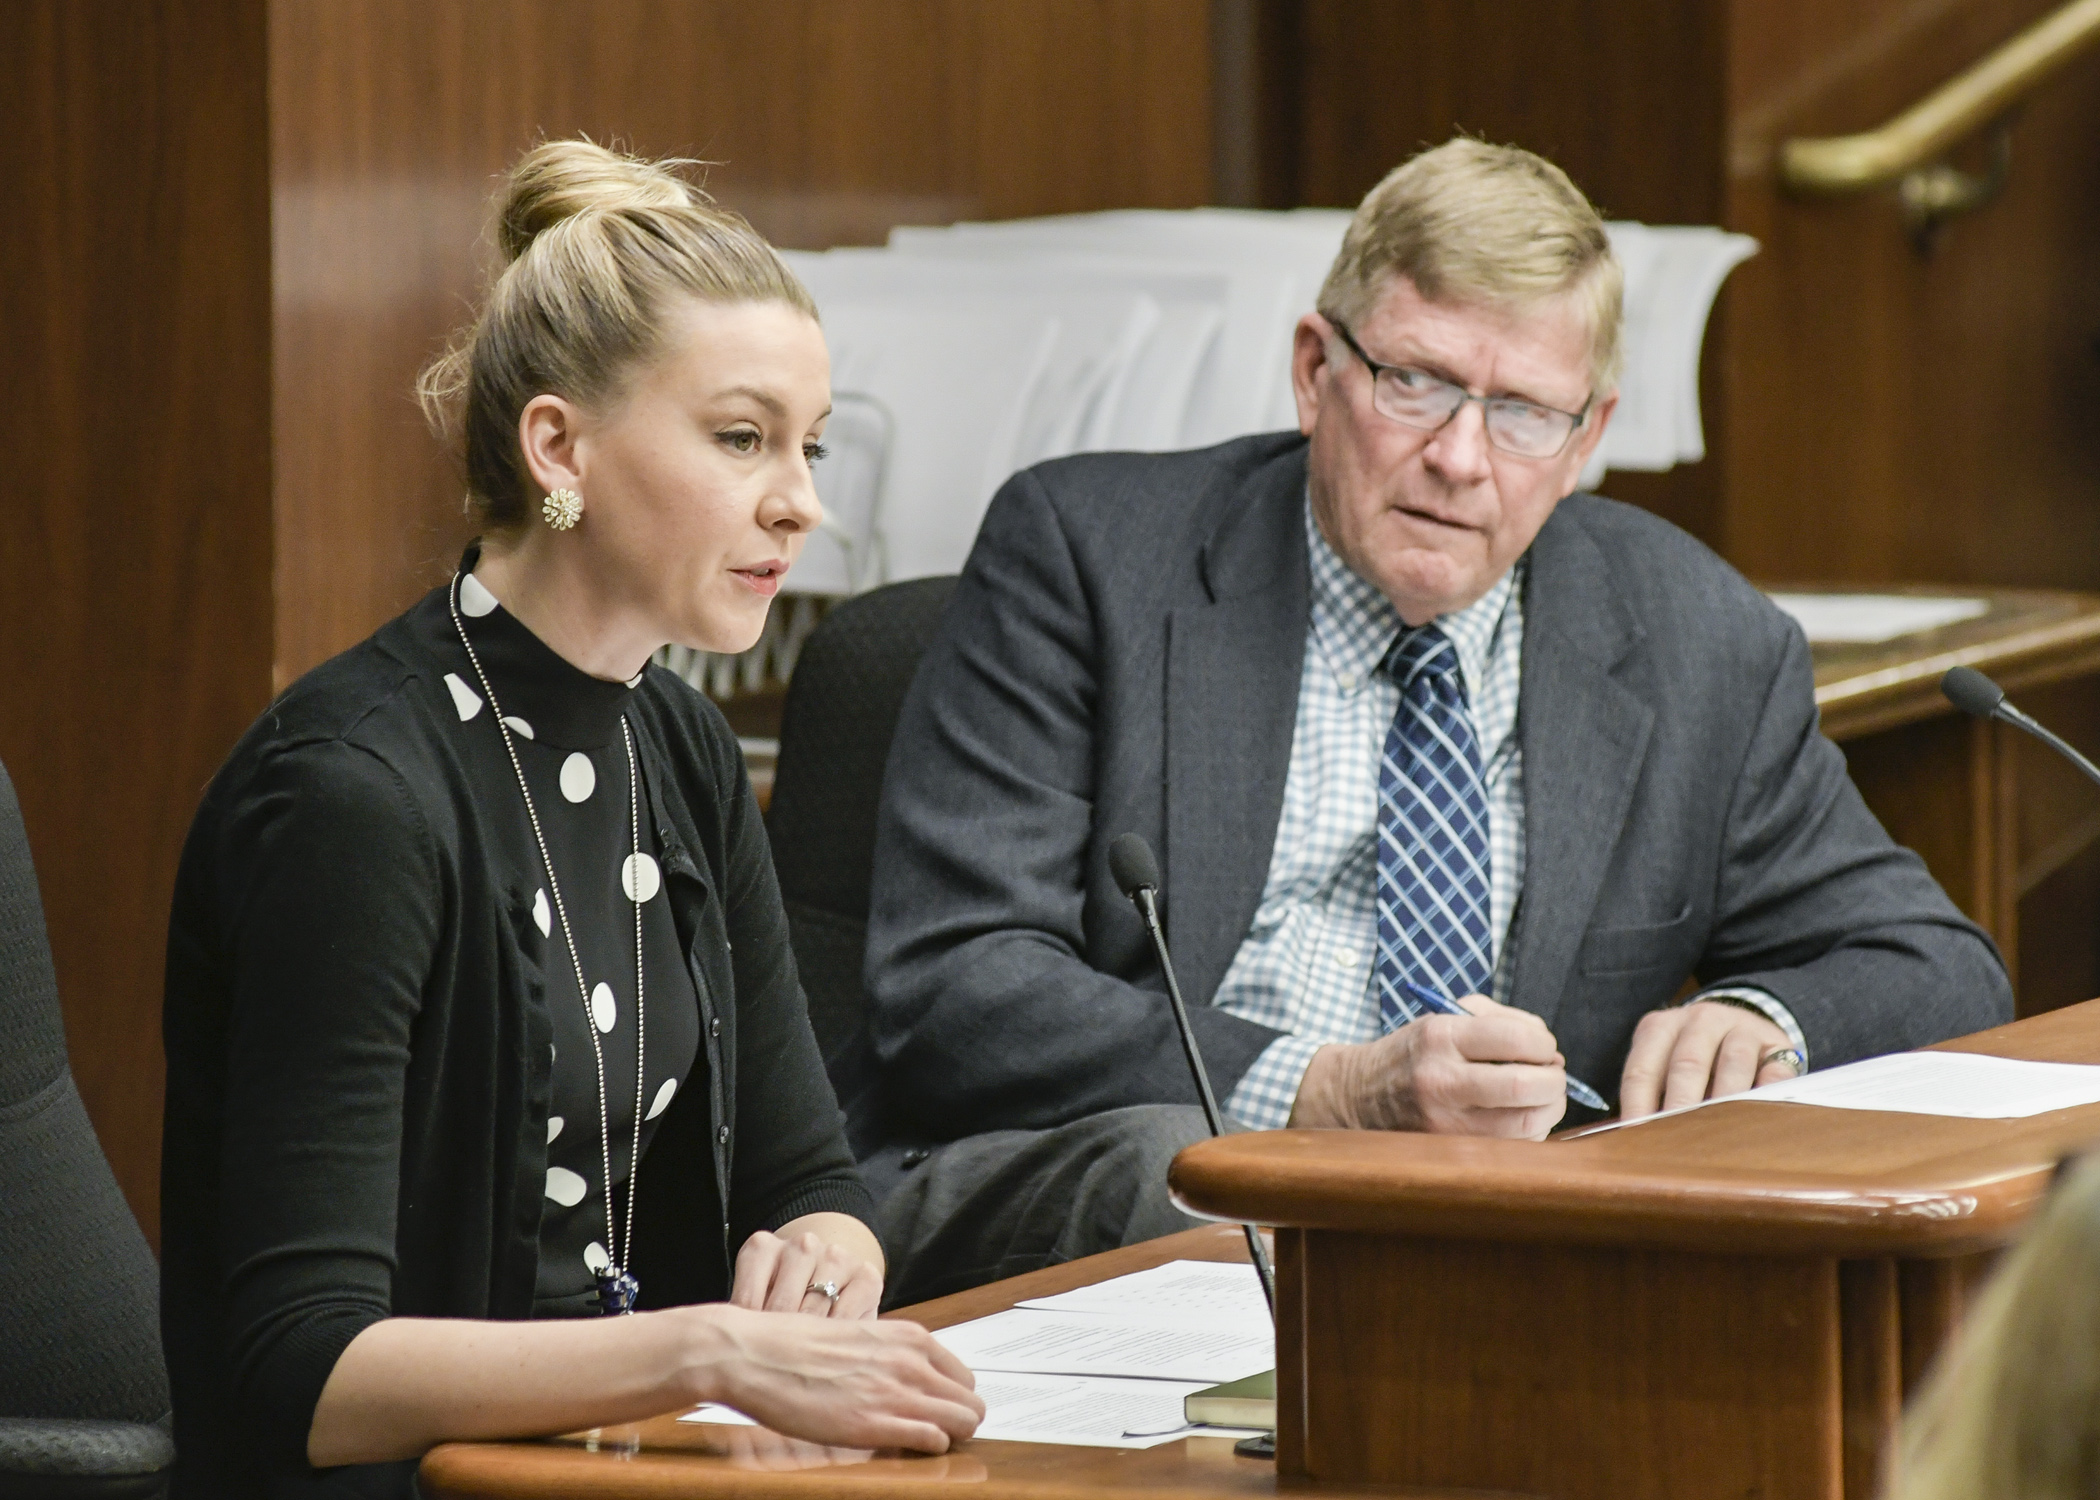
point(1726, 1303)
point(1729, 1302)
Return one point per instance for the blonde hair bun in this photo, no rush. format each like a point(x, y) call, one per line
point(598, 247)
point(558, 180)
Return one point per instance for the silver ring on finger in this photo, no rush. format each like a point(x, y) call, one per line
point(1791, 1056)
point(830, 1289)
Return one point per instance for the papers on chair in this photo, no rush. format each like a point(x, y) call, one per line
point(1963, 1085)
point(1673, 274)
point(979, 349)
point(1869, 619)
point(1030, 1341)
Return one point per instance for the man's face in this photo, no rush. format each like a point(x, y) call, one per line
point(1433, 519)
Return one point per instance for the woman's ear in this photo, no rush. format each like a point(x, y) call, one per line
point(548, 430)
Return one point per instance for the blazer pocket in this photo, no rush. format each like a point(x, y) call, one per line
point(1626, 950)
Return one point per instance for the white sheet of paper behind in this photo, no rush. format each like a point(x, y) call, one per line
point(1869, 619)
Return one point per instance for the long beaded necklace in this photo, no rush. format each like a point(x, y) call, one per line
point(617, 1288)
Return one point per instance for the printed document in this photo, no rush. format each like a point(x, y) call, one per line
point(1966, 1085)
point(1213, 1292)
point(1029, 1341)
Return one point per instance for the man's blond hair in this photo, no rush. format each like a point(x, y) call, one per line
point(1496, 226)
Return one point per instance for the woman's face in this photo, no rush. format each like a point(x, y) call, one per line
point(696, 485)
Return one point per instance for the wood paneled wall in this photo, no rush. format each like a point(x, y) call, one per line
point(1873, 414)
point(831, 121)
point(1893, 415)
point(242, 226)
point(135, 541)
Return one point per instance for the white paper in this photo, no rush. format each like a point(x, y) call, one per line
point(718, 1414)
point(1218, 1293)
point(1087, 1411)
point(1030, 1341)
point(1958, 1085)
point(1869, 619)
point(1082, 1410)
point(1963, 1085)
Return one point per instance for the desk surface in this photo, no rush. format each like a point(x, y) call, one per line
point(665, 1457)
point(1743, 1177)
point(2028, 637)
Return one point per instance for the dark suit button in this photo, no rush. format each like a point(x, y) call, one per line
point(714, 1027)
point(725, 1135)
point(916, 1155)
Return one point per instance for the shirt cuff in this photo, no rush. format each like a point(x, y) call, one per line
point(1761, 1000)
point(1263, 1097)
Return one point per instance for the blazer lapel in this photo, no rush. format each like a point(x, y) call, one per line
point(1584, 735)
point(1233, 665)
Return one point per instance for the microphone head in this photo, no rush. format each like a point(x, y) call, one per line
point(1130, 861)
point(1972, 692)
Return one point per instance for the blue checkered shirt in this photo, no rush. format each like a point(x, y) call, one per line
point(1305, 965)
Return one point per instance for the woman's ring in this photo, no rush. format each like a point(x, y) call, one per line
point(829, 1288)
point(1791, 1056)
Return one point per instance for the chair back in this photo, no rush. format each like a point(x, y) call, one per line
point(79, 1290)
point(835, 731)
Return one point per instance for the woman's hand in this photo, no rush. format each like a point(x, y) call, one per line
point(857, 1384)
point(780, 1272)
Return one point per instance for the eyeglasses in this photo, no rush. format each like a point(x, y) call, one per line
point(1418, 399)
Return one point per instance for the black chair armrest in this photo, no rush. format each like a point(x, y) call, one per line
point(50, 1458)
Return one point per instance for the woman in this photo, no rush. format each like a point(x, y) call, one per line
point(2012, 1412)
point(480, 915)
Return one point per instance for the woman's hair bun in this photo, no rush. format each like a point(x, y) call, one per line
point(615, 241)
point(557, 180)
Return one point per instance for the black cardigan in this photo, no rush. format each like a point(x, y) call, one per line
point(358, 1043)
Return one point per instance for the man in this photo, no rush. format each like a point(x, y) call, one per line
point(1400, 715)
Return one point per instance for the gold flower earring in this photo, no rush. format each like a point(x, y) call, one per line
point(562, 509)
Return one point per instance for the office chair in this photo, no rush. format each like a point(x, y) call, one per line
point(835, 730)
point(84, 1411)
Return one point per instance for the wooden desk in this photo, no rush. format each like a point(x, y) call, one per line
point(1729, 1302)
point(2010, 830)
point(668, 1457)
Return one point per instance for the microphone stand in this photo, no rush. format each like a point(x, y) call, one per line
point(1148, 909)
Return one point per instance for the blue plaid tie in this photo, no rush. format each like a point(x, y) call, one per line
point(1432, 836)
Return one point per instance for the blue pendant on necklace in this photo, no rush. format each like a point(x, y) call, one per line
point(616, 1292)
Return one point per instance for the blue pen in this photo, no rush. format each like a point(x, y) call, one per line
point(1436, 1004)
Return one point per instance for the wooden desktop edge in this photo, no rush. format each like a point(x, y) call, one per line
point(1548, 1192)
point(1866, 701)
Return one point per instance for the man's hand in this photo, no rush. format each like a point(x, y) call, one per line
point(1698, 1051)
point(1497, 1071)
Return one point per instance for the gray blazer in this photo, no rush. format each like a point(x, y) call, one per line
point(1123, 653)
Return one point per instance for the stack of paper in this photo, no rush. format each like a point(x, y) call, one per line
point(1108, 1366)
point(1957, 1085)
point(983, 348)
point(1869, 619)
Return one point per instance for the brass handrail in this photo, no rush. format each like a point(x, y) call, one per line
point(1965, 104)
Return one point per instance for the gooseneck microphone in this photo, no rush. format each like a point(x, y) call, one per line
point(1136, 873)
point(1973, 693)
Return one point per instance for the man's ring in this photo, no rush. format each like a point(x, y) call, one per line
point(829, 1288)
point(1791, 1056)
